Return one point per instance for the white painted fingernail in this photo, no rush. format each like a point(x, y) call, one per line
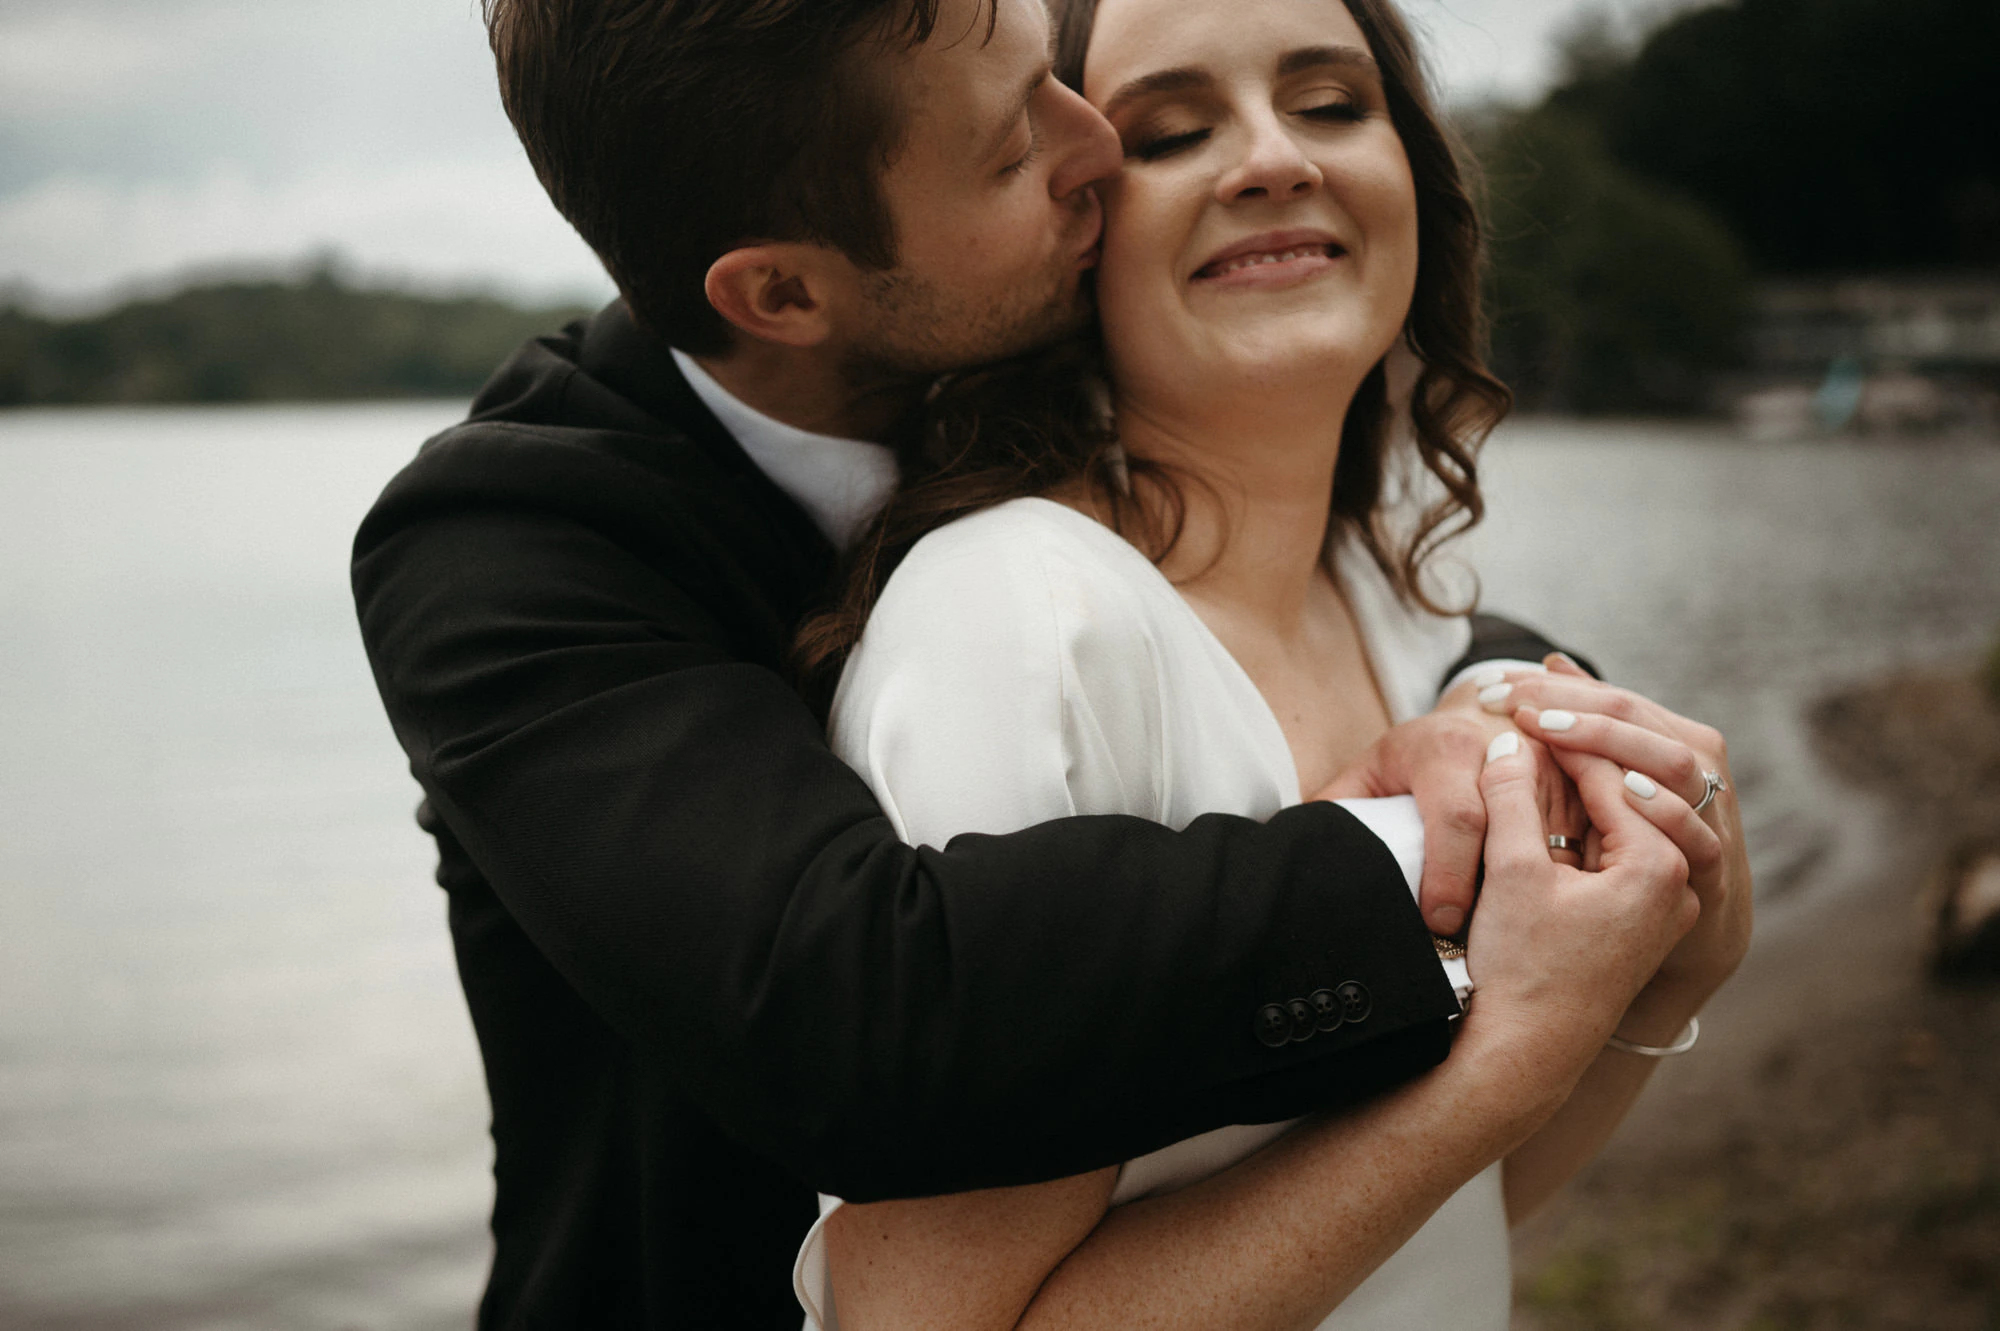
point(1494, 697)
point(1556, 719)
point(1640, 785)
point(1504, 745)
point(1490, 676)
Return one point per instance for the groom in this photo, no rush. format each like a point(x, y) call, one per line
point(705, 977)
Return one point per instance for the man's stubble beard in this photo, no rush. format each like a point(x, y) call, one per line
point(916, 333)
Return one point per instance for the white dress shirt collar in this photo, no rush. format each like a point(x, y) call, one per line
point(840, 483)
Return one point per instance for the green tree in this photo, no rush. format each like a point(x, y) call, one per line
point(1829, 134)
point(248, 340)
point(1608, 293)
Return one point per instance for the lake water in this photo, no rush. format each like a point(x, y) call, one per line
point(237, 1085)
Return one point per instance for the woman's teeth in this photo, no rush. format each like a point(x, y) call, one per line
point(1255, 260)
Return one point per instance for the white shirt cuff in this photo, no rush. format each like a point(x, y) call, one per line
point(1396, 824)
point(1496, 668)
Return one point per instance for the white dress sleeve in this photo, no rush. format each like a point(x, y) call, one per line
point(1003, 681)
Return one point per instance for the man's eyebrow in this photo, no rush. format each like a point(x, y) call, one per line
point(1184, 78)
point(1019, 109)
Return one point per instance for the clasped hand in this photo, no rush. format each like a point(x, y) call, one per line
point(1577, 731)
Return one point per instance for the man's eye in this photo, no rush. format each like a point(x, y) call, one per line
point(1026, 160)
point(1151, 148)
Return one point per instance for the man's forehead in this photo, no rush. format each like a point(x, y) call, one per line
point(974, 76)
point(982, 33)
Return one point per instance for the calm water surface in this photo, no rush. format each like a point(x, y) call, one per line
point(237, 1084)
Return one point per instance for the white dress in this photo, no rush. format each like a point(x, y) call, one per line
point(1026, 663)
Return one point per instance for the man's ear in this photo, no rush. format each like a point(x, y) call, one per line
point(775, 293)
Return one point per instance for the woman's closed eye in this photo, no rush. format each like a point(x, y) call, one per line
point(1148, 144)
point(1340, 112)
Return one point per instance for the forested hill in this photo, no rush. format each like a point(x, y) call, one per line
point(316, 338)
point(1829, 135)
point(1634, 207)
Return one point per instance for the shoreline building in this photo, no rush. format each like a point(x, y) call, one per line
point(1876, 352)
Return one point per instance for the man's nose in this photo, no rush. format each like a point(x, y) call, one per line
point(1087, 145)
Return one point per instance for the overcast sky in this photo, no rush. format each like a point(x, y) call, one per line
point(141, 138)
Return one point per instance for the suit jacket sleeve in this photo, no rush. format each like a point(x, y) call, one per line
point(665, 821)
point(1495, 638)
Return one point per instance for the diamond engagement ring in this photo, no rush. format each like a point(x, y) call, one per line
point(1711, 782)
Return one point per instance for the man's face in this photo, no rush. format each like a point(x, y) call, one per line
point(995, 221)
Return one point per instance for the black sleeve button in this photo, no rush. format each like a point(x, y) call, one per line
point(1355, 1000)
point(1274, 1026)
point(1327, 1010)
point(1303, 1018)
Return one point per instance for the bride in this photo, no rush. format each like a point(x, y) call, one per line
point(1195, 600)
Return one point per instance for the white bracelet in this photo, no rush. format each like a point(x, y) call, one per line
point(1680, 1046)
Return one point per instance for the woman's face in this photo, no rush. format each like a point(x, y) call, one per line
point(1265, 222)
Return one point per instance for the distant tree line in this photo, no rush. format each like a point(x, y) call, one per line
point(319, 337)
point(1631, 209)
point(1633, 205)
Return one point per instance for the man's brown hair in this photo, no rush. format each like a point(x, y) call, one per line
point(669, 132)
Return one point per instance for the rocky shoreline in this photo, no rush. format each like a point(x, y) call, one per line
point(1830, 1157)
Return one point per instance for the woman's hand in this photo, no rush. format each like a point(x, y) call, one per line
point(1437, 759)
point(1607, 1086)
point(1666, 755)
point(1559, 953)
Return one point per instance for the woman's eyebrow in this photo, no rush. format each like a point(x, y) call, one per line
point(1166, 80)
point(1319, 57)
point(1185, 77)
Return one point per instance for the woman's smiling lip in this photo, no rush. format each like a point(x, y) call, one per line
point(1272, 256)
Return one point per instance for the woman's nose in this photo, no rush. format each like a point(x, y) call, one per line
point(1272, 166)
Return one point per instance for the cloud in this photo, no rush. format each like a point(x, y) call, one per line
point(139, 137)
point(66, 55)
point(75, 237)
point(171, 89)
point(144, 137)
point(1506, 49)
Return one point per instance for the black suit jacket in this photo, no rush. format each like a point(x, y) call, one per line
point(705, 976)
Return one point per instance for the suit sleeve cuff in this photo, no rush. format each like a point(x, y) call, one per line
point(1396, 823)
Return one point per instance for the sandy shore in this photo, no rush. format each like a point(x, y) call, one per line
point(1830, 1156)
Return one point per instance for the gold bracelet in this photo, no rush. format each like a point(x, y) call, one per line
point(1679, 1046)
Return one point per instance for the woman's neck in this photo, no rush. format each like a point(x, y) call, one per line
point(1258, 487)
point(1257, 481)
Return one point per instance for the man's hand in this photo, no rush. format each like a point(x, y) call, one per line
point(1437, 758)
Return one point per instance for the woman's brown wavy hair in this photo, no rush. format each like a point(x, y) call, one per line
point(1037, 423)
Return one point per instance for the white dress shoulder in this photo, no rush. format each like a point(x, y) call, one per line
point(1026, 663)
